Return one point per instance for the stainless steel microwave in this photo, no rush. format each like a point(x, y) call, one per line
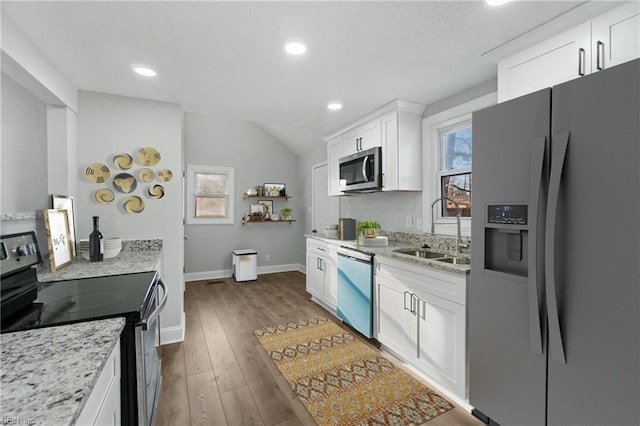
point(362, 171)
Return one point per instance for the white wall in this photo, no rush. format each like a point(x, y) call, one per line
point(257, 158)
point(389, 208)
point(24, 150)
point(107, 125)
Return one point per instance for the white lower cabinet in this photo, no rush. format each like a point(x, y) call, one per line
point(103, 406)
point(322, 272)
point(423, 328)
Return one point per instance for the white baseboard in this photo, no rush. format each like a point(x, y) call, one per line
point(226, 273)
point(173, 334)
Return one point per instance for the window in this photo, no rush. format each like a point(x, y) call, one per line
point(210, 197)
point(454, 174)
point(447, 156)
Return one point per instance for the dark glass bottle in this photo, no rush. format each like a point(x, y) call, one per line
point(94, 242)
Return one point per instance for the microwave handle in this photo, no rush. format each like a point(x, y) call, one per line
point(364, 168)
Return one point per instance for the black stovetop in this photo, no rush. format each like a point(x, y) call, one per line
point(87, 299)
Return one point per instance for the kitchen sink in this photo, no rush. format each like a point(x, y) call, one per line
point(426, 254)
point(455, 260)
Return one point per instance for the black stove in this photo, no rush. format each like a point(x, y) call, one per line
point(86, 299)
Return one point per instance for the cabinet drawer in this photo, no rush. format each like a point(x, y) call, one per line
point(447, 285)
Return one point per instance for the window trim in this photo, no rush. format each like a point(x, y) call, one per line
point(431, 128)
point(192, 170)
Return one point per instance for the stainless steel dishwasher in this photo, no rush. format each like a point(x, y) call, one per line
point(355, 290)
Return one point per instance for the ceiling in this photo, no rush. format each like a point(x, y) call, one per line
point(227, 58)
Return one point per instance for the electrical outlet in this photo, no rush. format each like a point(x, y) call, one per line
point(419, 223)
point(409, 222)
point(267, 258)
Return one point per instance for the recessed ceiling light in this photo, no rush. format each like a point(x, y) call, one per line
point(144, 71)
point(497, 2)
point(295, 48)
point(334, 106)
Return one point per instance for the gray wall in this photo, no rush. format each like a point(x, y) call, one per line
point(108, 125)
point(24, 150)
point(257, 158)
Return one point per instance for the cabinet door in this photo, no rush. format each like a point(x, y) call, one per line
point(438, 341)
point(559, 59)
point(616, 36)
point(330, 284)
point(393, 317)
point(315, 276)
point(352, 142)
point(335, 150)
point(370, 134)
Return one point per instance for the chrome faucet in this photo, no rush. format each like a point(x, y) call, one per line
point(459, 243)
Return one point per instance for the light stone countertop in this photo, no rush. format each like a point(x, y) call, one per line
point(49, 373)
point(127, 262)
point(388, 251)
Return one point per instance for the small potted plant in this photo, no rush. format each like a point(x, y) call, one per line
point(285, 213)
point(369, 228)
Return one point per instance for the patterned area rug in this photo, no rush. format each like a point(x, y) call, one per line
point(342, 381)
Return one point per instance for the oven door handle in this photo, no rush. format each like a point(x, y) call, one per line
point(152, 317)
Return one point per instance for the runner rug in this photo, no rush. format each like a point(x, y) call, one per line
point(342, 381)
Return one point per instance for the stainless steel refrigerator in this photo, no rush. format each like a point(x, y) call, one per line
point(554, 308)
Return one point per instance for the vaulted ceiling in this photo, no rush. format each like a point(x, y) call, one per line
point(227, 57)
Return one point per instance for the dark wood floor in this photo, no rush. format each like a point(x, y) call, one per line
point(220, 375)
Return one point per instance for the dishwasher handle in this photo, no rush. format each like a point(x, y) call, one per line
point(357, 257)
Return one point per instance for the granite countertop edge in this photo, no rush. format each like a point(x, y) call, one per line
point(49, 373)
point(388, 251)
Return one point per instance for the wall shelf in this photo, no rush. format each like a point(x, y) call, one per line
point(250, 222)
point(268, 197)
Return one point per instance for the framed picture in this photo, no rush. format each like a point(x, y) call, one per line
point(56, 223)
point(268, 203)
point(257, 208)
point(274, 190)
point(62, 202)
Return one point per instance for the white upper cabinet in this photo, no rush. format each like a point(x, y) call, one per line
point(362, 137)
point(615, 36)
point(559, 59)
point(604, 41)
point(396, 127)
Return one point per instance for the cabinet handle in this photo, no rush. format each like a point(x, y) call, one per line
point(404, 301)
point(599, 48)
point(413, 307)
point(581, 63)
point(360, 144)
point(321, 267)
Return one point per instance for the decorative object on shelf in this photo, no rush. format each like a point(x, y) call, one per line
point(95, 242)
point(133, 204)
point(56, 224)
point(259, 191)
point(275, 217)
point(125, 183)
point(148, 156)
point(251, 192)
point(146, 175)
point(104, 196)
point(62, 202)
point(268, 207)
point(285, 213)
point(274, 189)
point(97, 173)
point(123, 161)
point(165, 175)
point(156, 191)
point(369, 228)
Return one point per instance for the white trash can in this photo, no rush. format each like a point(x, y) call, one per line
point(245, 263)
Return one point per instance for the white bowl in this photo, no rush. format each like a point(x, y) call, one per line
point(331, 233)
point(331, 227)
point(252, 192)
point(275, 217)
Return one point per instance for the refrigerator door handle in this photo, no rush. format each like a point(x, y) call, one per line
point(536, 275)
point(556, 346)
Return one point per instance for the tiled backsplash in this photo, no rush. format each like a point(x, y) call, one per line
point(445, 243)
